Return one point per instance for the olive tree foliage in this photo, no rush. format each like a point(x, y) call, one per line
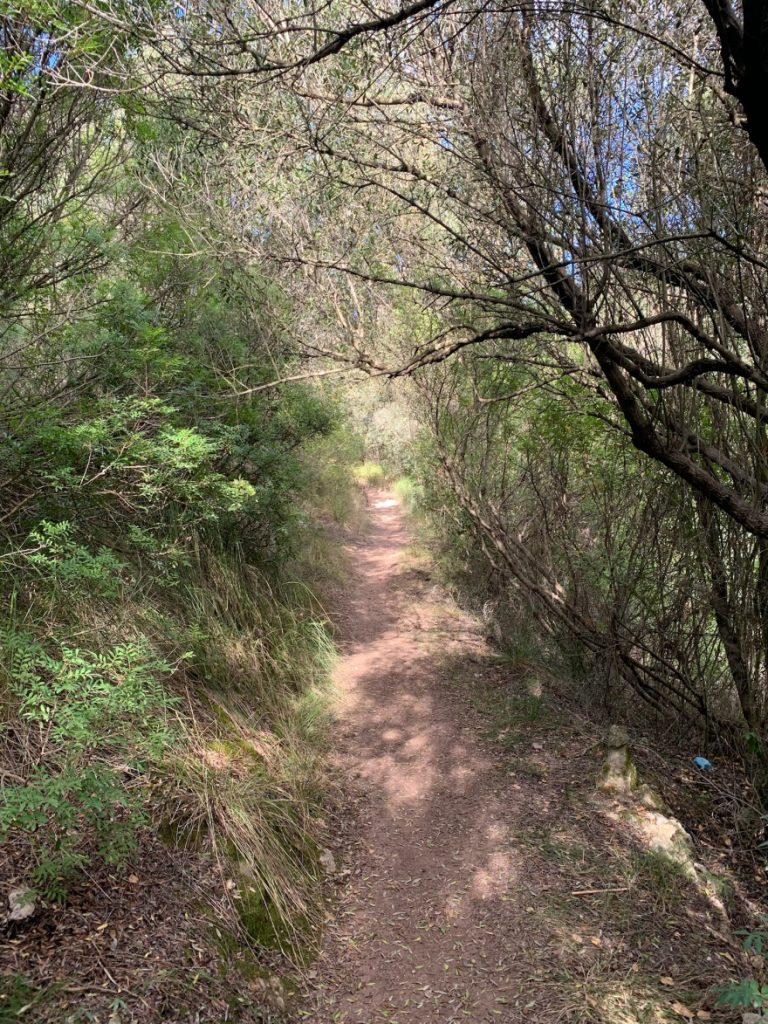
point(571, 190)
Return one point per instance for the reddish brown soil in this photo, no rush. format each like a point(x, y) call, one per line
point(461, 882)
point(479, 876)
point(126, 948)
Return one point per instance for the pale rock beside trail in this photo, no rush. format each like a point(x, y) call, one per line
point(328, 862)
point(618, 774)
point(21, 904)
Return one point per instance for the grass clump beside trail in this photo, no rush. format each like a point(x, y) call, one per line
point(409, 492)
point(164, 655)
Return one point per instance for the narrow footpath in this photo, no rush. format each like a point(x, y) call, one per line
point(480, 877)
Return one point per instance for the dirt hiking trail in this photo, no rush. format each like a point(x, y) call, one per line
point(480, 877)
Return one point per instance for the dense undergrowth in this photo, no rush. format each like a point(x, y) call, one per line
point(583, 562)
point(165, 544)
point(458, 518)
point(164, 650)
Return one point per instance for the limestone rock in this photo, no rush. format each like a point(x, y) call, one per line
point(618, 774)
point(21, 905)
point(650, 798)
point(328, 862)
point(666, 835)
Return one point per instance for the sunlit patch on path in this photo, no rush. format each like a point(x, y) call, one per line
point(461, 884)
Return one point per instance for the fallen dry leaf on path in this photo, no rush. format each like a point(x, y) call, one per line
point(682, 1009)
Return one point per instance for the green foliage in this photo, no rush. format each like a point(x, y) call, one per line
point(72, 691)
point(328, 466)
point(370, 474)
point(18, 996)
point(550, 522)
point(62, 562)
point(73, 815)
point(744, 994)
point(755, 941)
point(748, 993)
point(410, 492)
point(156, 524)
point(92, 708)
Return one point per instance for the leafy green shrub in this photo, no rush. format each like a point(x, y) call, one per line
point(155, 539)
point(409, 491)
point(54, 553)
point(329, 475)
point(90, 709)
point(65, 812)
point(748, 993)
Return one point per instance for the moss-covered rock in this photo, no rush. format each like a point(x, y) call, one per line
point(618, 774)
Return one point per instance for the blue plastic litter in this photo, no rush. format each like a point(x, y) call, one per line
point(703, 763)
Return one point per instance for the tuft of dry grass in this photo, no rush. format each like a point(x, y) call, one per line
point(244, 775)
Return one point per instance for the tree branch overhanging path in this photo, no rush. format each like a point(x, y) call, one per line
point(571, 236)
point(534, 192)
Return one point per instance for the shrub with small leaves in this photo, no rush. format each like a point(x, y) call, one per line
point(57, 556)
point(101, 717)
point(748, 993)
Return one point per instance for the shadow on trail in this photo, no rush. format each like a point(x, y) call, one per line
point(371, 608)
point(489, 885)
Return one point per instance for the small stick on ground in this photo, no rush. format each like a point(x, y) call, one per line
point(597, 892)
